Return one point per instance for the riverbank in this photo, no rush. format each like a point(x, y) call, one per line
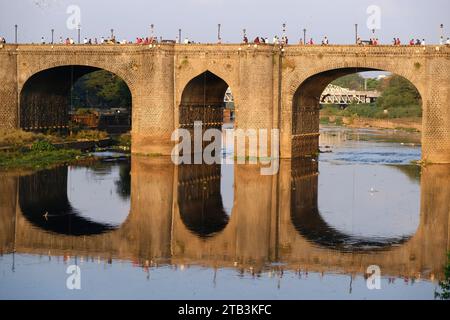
point(25, 150)
point(404, 124)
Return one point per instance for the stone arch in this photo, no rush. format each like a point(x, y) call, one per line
point(46, 90)
point(303, 93)
point(202, 99)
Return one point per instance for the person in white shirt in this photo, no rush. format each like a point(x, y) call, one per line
point(186, 41)
point(42, 40)
point(423, 42)
point(85, 41)
point(448, 41)
point(441, 40)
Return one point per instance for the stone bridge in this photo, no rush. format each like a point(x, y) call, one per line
point(172, 85)
point(273, 219)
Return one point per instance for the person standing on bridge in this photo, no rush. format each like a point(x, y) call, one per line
point(42, 40)
point(448, 41)
point(423, 42)
point(256, 41)
point(276, 40)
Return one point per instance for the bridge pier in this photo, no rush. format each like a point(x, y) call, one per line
point(9, 103)
point(436, 114)
point(153, 104)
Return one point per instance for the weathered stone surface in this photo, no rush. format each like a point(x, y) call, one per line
point(272, 88)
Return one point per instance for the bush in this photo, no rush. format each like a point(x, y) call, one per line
point(42, 146)
point(89, 135)
point(16, 137)
point(125, 140)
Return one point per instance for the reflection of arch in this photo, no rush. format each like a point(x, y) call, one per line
point(45, 96)
point(200, 200)
point(44, 202)
point(308, 221)
point(306, 103)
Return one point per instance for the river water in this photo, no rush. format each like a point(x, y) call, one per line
point(142, 228)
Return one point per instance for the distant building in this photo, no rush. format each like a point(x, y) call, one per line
point(113, 120)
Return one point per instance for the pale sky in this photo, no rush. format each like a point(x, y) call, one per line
point(199, 18)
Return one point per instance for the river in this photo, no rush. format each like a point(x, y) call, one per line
point(142, 228)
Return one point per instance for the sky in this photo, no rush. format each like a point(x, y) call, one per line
point(199, 19)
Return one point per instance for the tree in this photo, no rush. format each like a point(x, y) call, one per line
point(101, 89)
point(352, 81)
point(398, 92)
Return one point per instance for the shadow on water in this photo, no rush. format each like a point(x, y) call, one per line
point(44, 200)
point(200, 199)
point(308, 221)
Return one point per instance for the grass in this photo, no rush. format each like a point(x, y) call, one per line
point(17, 138)
point(37, 150)
point(87, 135)
point(39, 159)
point(372, 111)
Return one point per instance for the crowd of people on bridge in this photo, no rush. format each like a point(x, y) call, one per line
point(265, 40)
point(276, 40)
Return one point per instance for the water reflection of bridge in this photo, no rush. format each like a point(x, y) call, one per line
point(274, 219)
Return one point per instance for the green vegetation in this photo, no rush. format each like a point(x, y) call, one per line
point(444, 294)
point(36, 159)
point(101, 89)
point(399, 99)
point(356, 82)
point(124, 140)
point(37, 150)
point(16, 138)
point(88, 135)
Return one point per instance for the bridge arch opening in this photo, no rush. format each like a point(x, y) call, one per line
point(209, 99)
point(75, 95)
point(377, 102)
